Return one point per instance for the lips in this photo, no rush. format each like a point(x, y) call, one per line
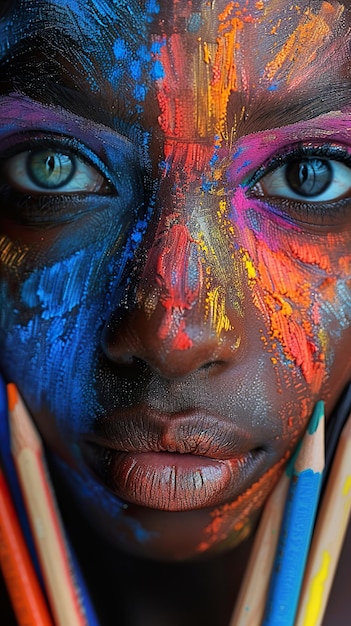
point(173, 462)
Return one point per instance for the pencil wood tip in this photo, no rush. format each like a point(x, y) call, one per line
point(23, 431)
point(312, 451)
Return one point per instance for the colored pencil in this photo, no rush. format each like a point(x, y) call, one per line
point(328, 537)
point(297, 526)
point(20, 578)
point(43, 515)
point(251, 600)
point(8, 467)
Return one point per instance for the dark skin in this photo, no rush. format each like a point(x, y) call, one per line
point(175, 305)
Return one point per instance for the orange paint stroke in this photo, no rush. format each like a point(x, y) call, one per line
point(289, 304)
point(302, 47)
point(253, 498)
point(193, 94)
point(225, 78)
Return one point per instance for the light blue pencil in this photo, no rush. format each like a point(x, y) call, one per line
point(297, 525)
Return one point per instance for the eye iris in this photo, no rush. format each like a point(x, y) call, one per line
point(309, 177)
point(50, 169)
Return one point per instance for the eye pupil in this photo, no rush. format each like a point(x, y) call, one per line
point(50, 162)
point(49, 169)
point(309, 177)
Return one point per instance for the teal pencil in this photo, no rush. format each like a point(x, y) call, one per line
point(297, 526)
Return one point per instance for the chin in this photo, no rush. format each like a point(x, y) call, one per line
point(181, 536)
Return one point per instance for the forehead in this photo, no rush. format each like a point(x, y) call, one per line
point(265, 51)
point(270, 20)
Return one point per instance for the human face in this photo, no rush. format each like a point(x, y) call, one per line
point(175, 251)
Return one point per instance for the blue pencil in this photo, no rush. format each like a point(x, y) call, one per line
point(297, 525)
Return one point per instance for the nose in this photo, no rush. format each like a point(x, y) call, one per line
point(177, 321)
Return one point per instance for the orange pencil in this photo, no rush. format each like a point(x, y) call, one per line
point(24, 590)
point(43, 515)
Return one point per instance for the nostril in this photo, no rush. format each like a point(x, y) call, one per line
point(208, 365)
point(212, 365)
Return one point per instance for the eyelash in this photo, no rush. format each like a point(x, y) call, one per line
point(299, 210)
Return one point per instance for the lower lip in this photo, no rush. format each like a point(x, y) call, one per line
point(175, 482)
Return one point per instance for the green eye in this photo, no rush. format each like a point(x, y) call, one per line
point(50, 169)
point(47, 170)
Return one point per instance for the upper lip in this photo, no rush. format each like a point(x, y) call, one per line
point(142, 429)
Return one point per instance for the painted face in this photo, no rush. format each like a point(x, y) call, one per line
point(175, 250)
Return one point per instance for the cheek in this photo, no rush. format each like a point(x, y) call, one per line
point(51, 323)
point(301, 285)
point(47, 325)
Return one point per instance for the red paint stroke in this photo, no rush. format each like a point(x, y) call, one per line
point(179, 274)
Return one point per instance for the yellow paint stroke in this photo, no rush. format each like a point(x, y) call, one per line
point(314, 603)
point(206, 53)
point(222, 208)
point(301, 48)
point(250, 268)
point(12, 254)
point(347, 486)
point(216, 311)
point(323, 339)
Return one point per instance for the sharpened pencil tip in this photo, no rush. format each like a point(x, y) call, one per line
point(12, 395)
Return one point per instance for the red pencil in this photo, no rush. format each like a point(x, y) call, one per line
point(24, 590)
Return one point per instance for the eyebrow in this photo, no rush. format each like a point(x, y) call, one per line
point(270, 111)
point(56, 70)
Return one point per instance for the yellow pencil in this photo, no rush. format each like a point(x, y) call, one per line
point(43, 515)
point(251, 600)
point(328, 536)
